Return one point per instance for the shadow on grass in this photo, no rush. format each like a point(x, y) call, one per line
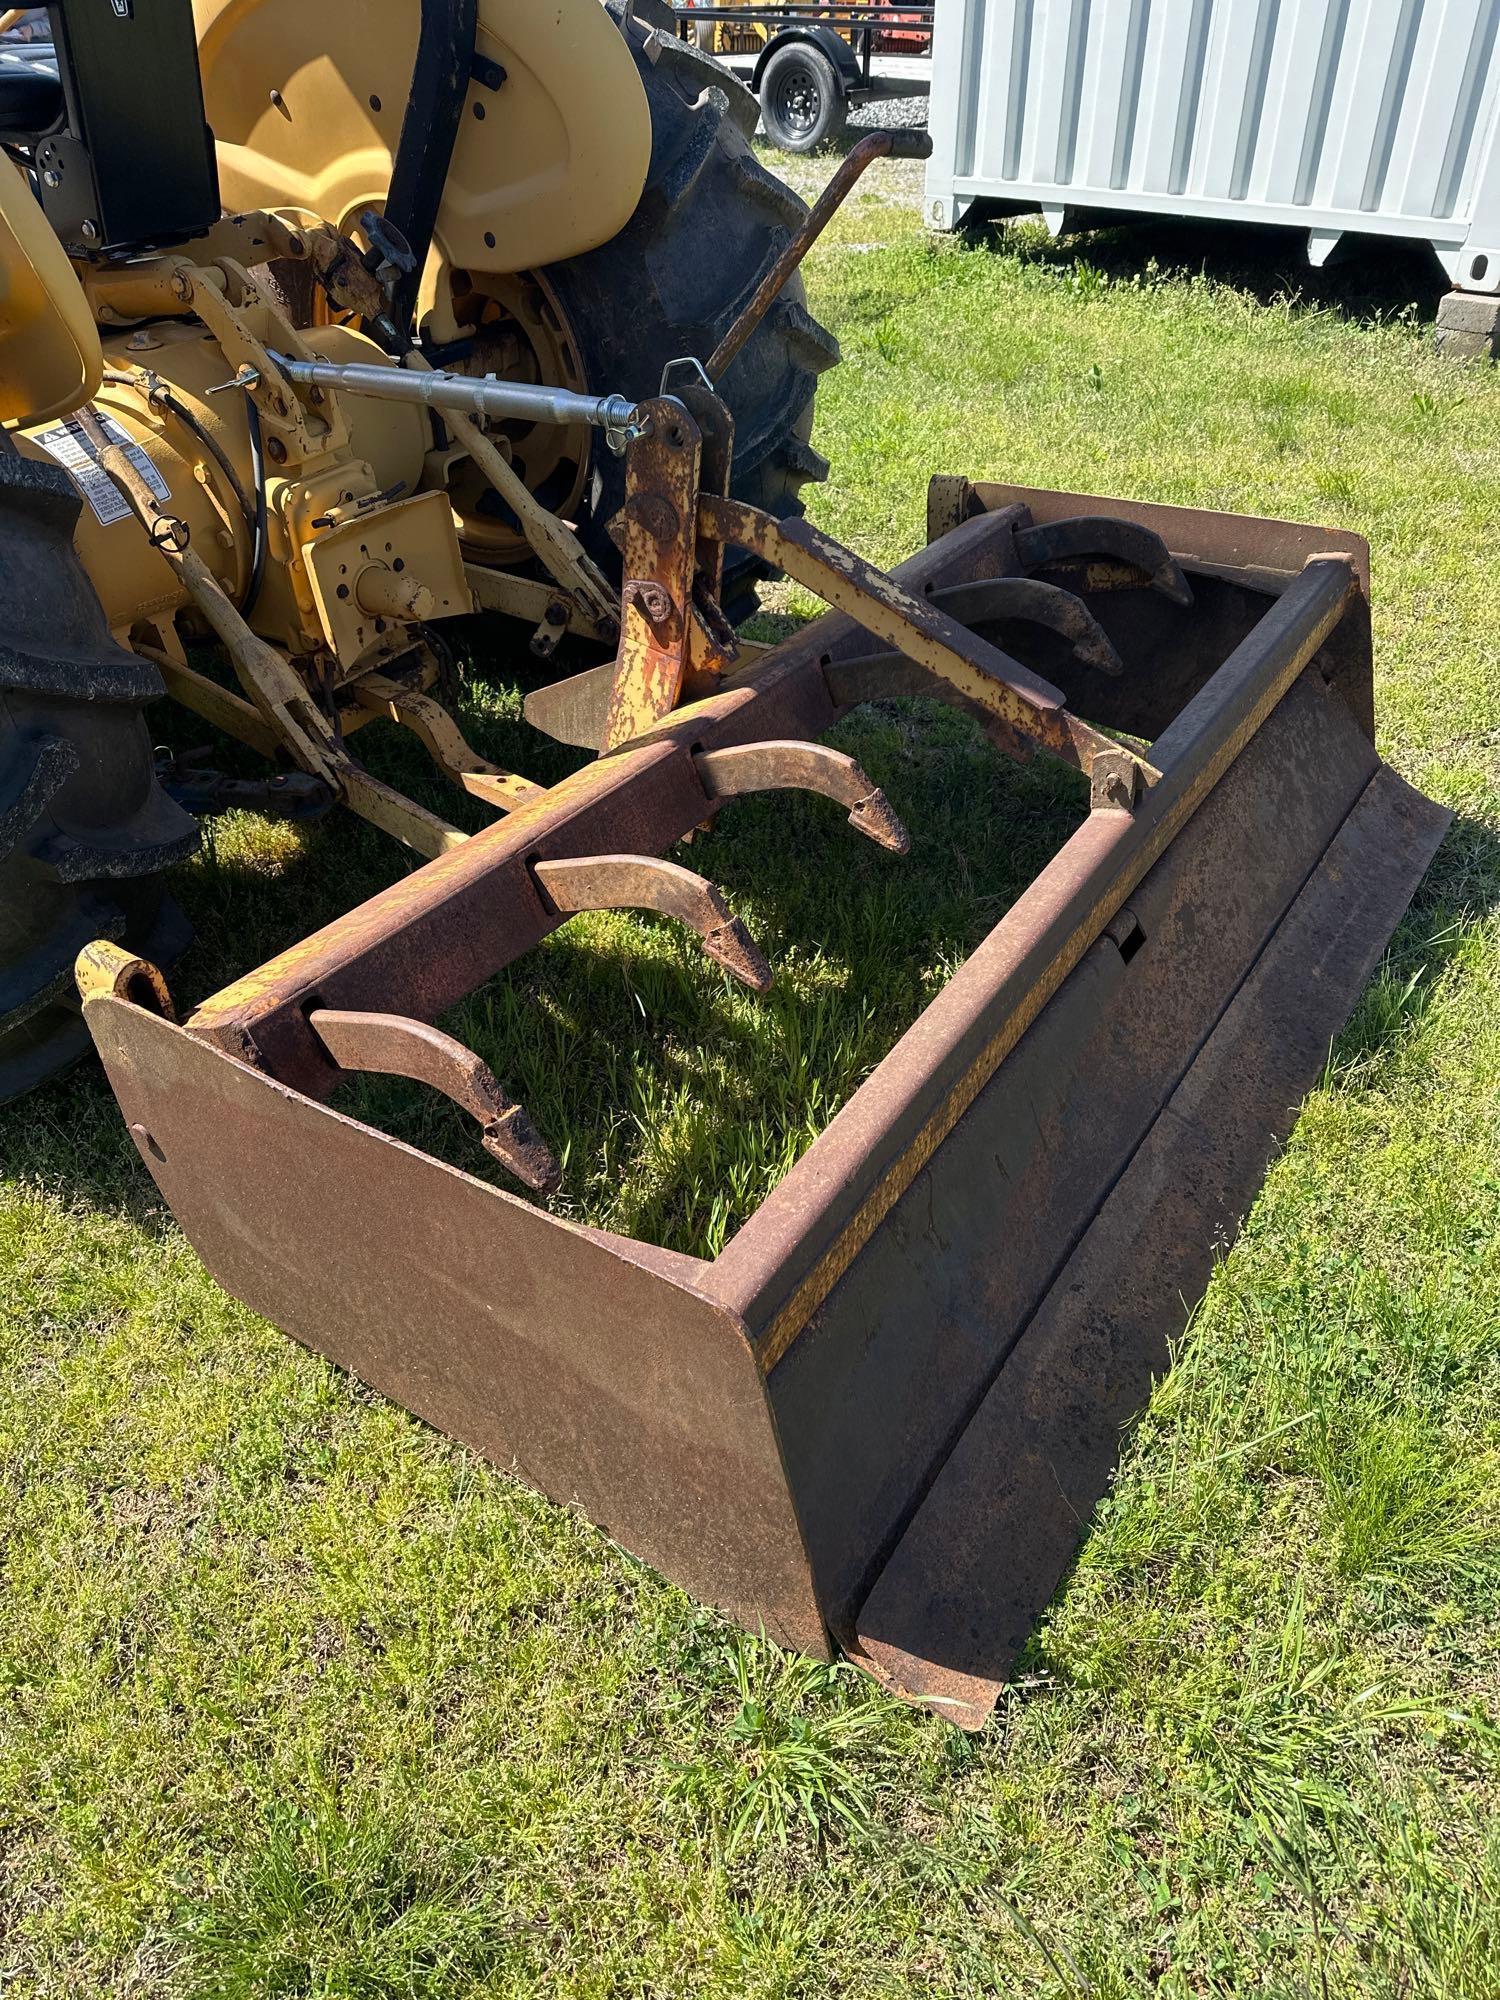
point(1370, 281)
point(1460, 889)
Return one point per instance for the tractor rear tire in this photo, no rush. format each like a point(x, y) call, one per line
point(85, 828)
point(708, 227)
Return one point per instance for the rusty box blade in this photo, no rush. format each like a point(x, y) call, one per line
point(880, 1418)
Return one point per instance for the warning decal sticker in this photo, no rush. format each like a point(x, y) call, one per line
point(67, 444)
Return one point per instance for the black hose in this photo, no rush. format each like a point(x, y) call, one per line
point(258, 528)
point(156, 391)
point(160, 396)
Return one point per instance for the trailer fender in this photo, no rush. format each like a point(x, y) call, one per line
point(823, 38)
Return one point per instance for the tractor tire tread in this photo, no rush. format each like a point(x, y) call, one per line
point(86, 830)
point(708, 227)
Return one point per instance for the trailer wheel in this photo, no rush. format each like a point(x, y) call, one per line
point(801, 98)
point(85, 828)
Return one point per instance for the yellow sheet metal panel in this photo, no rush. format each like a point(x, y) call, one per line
point(306, 102)
point(50, 359)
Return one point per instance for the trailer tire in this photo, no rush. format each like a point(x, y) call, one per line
point(85, 828)
point(709, 225)
point(802, 101)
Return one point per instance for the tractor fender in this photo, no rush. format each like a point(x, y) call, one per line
point(306, 103)
point(822, 38)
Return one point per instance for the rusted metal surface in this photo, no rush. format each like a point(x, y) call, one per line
point(430, 939)
point(1090, 536)
point(103, 968)
point(901, 145)
point(440, 735)
point(814, 1224)
point(1255, 547)
point(592, 1366)
point(977, 1220)
point(805, 1431)
point(1023, 703)
point(659, 551)
point(1039, 603)
point(391, 1045)
point(574, 710)
point(712, 645)
point(642, 882)
point(995, 1535)
point(806, 767)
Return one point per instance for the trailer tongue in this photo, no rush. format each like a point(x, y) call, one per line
point(878, 1419)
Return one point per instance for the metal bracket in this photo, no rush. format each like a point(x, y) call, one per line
point(487, 72)
point(429, 131)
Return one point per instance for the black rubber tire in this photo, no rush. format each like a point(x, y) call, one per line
point(85, 828)
point(802, 101)
point(708, 227)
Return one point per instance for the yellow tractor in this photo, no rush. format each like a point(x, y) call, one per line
point(578, 209)
point(412, 310)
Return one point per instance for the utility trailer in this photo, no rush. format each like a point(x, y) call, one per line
point(810, 65)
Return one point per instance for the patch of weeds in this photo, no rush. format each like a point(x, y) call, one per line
point(1429, 412)
point(1395, 1004)
point(1086, 281)
point(1436, 1928)
point(1389, 1011)
point(888, 342)
point(1338, 487)
point(796, 1759)
point(1287, 1737)
point(1402, 1502)
point(339, 1903)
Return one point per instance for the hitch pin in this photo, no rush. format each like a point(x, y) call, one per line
point(245, 378)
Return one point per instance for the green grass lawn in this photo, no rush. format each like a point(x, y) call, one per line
point(296, 1698)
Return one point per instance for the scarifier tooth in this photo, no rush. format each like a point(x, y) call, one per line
point(1084, 535)
point(790, 764)
point(1168, 578)
point(1034, 601)
point(645, 882)
point(1099, 653)
point(874, 817)
point(515, 1142)
point(360, 1039)
point(731, 945)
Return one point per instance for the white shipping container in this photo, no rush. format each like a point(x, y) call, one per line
point(1368, 117)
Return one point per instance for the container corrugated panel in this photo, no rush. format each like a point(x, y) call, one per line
point(1376, 117)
